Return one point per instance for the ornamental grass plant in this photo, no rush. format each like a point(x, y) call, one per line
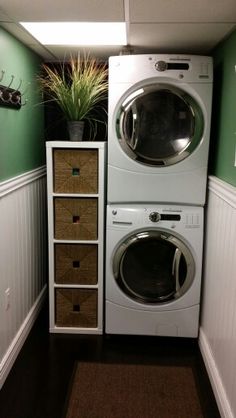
point(78, 87)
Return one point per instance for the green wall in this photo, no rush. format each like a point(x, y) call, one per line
point(21, 131)
point(223, 132)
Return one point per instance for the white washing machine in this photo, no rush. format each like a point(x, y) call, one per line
point(159, 115)
point(153, 270)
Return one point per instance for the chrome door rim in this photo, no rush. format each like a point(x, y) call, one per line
point(160, 235)
point(188, 100)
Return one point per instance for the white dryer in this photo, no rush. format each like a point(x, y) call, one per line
point(159, 115)
point(153, 270)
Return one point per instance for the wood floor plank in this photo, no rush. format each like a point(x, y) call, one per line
point(38, 385)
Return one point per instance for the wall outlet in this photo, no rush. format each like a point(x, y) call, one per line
point(7, 299)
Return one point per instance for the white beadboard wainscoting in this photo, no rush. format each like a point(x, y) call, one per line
point(217, 337)
point(23, 261)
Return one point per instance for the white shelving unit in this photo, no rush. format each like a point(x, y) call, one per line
point(75, 181)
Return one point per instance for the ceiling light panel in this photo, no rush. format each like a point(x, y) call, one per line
point(78, 33)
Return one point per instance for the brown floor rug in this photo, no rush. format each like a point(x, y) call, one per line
point(133, 391)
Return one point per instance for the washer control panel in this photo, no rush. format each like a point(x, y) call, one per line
point(174, 217)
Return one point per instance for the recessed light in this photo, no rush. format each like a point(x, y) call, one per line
point(78, 33)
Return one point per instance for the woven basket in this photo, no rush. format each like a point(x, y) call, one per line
point(75, 171)
point(76, 218)
point(76, 264)
point(76, 308)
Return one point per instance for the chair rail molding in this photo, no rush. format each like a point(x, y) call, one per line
point(8, 186)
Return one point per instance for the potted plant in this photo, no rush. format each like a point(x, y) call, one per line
point(78, 87)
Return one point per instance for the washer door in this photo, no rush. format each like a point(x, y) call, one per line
point(159, 125)
point(153, 267)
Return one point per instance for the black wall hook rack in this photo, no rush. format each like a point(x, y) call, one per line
point(10, 97)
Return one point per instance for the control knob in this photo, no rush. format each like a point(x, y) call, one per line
point(161, 66)
point(154, 216)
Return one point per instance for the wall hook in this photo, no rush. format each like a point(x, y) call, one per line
point(12, 78)
point(2, 75)
point(18, 88)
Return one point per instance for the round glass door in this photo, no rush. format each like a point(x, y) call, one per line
point(153, 267)
point(159, 125)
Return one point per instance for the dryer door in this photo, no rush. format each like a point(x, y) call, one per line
point(153, 267)
point(159, 125)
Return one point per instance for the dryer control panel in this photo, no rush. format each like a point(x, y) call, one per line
point(136, 68)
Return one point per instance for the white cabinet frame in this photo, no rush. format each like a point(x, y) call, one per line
point(101, 148)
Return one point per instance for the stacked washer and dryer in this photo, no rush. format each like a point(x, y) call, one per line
point(158, 139)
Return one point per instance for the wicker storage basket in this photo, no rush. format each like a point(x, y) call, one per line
point(75, 218)
point(76, 264)
point(75, 171)
point(76, 308)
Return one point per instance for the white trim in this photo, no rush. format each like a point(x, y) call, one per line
point(15, 183)
point(17, 343)
point(214, 376)
point(224, 190)
point(76, 144)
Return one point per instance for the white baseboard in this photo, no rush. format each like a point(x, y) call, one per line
point(214, 376)
point(17, 343)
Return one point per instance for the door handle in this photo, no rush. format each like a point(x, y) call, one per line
point(133, 137)
point(175, 268)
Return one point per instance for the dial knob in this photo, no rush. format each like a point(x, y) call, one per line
point(154, 216)
point(161, 65)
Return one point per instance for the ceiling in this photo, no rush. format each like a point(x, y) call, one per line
point(153, 26)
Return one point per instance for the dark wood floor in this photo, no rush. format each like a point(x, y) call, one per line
point(38, 384)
